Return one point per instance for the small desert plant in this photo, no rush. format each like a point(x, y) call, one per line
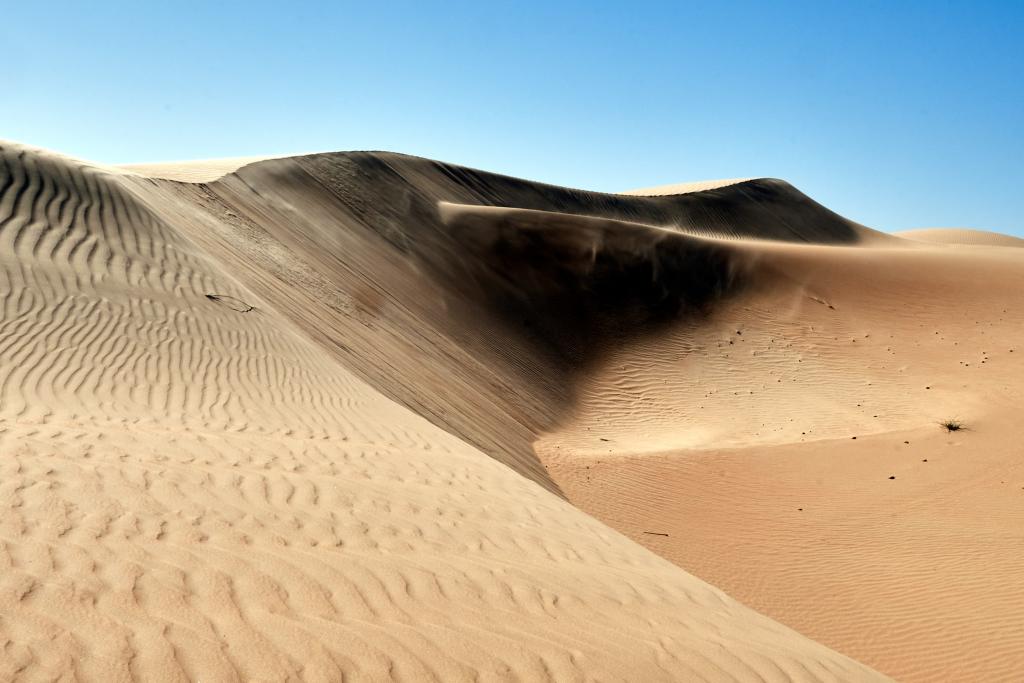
point(952, 425)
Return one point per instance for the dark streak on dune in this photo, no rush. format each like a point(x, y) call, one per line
point(574, 285)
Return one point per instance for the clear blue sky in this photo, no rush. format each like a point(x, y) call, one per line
point(895, 114)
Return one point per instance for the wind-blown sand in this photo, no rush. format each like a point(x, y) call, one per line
point(202, 171)
point(366, 416)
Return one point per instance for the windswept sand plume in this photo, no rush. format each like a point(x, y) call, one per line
point(204, 171)
point(685, 188)
point(344, 415)
point(213, 467)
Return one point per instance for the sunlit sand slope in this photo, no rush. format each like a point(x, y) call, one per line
point(197, 481)
point(790, 450)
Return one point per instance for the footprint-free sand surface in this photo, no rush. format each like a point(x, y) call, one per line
point(364, 416)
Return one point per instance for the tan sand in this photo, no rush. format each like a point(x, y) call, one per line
point(685, 188)
point(197, 481)
point(962, 236)
point(201, 171)
point(789, 451)
point(343, 416)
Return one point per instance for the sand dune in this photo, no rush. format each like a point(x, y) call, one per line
point(798, 432)
point(962, 236)
point(345, 415)
point(198, 482)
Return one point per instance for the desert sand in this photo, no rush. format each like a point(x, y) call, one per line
point(365, 416)
point(963, 236)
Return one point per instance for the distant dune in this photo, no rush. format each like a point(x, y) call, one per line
point(367, 416)
point(962, 236)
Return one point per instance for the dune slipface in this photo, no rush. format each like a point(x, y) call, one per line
point(335, 417)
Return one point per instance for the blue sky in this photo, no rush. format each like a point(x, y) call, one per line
point(895, 114)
